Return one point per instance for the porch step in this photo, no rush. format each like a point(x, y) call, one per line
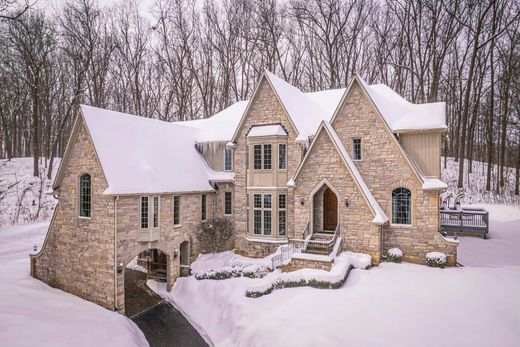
point(317, 250)
point(322, 236)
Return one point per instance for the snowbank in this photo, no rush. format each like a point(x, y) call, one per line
point(34, 314)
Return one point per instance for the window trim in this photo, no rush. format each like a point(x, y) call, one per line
point(264, 147)
point(174, 205)
point(226, 150)
point(79, 196)
point(401, 225)
point(158, 211)
point(262, 209)
point(262, 162)
point(354, 149)
point(285, 157)
point(231, 203)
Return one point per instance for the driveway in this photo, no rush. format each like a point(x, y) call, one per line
point(164, 325)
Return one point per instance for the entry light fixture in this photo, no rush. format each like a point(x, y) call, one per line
point(175, 253)
point(35, 248)
point(301, 201)
point(120, 268)
point(346, 202)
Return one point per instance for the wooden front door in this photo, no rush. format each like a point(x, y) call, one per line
point(330, 210)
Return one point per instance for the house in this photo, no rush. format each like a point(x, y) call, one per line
point(350, 169)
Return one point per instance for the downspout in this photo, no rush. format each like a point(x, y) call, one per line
point(115, 253)
point(381, 243)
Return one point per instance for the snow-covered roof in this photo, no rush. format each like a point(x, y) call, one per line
point(402, 115)
point(380, 216)
point(267, 130)
point(141, 155)
point(303, 111)
point(433, 184)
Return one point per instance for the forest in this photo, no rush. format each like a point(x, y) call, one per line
point(179, 60)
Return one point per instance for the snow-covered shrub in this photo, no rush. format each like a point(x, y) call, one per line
point(251, 271)
point(215, 235)
point(394, 255)
point(436, 259)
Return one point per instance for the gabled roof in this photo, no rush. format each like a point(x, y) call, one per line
point(147, 156)
point(402, 115)
point(380, 216)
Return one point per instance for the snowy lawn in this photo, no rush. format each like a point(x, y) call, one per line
point(389, 305)
point(34, 314)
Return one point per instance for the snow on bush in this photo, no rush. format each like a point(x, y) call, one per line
point(321, 279)
point(394, 255)
point(436, 259)
point(251, 271)
point(215, 261)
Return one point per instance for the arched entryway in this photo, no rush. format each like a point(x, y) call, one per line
point(148, 264)
point(324, 208)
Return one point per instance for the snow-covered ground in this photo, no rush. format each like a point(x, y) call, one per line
point(34, 314)
point(23, 197)
point(389, 305)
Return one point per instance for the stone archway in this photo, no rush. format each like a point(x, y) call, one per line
point(324, 208)
point(148, 264)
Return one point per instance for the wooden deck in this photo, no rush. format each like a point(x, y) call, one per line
point(465, 222)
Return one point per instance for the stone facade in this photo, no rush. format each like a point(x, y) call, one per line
point(78, 253)
point(358, 232)
point(297, 264)
point(384, 167)
point(264, 108)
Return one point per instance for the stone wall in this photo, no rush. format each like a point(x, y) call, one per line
point(78, 253)
point(171, 236)
point(265, 108)
point(357, 230)
point(384, 168)
point(297, 264)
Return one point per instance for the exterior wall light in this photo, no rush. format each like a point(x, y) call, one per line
point(346, 202)
point(302, 202)
point(35, 248)
point(120, 268)
point(175, 253)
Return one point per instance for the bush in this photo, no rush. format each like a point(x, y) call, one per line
point(394, 255)
point(231, 272)
point(215, 235)
point(436, 259)
point(280, 284)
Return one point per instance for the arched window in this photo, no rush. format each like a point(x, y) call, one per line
point(401, 206)
point(85, 195)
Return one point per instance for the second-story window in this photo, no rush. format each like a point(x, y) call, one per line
point(257, 157)
point(282, 156)
point(267, 156)
point(203, 207)
point(357, 149)
point(144, 212)
point(176, 210)
point(228, 159)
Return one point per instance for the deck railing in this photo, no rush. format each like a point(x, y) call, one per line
point(472, 220)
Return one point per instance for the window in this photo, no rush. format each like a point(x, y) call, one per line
point(357, 149)
point(203, 207)
point(144, 212)
point(176, 210)
point(228, 203)
point(257, 213)
point(262, 214)
point(85, 191)
point(228, 159)
point(282, 156)
point(281, 214)
point(401, 206)
point(257, 157)
point(155, 211)
point(267, 157)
